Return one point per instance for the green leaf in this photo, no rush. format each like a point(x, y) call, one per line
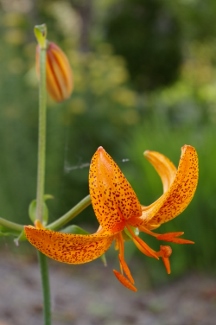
point(5, 231)
point(73, 229)
point(32, 210)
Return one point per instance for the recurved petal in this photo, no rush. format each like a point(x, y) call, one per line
point(68, 248)
point(113, 198)
point(178, 195)
point(163, 166)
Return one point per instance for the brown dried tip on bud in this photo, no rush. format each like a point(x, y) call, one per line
point(58, 72)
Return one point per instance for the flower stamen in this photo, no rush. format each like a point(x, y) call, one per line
point(169, 236)
point(125, 268)
point(164, 253)
point(141, 245)
point(124, 281)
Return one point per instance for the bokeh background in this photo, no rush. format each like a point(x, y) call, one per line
point(145, 78)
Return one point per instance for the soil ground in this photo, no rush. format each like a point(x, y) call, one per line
point(90, 295)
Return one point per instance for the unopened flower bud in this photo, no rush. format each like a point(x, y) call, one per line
point(58, 72)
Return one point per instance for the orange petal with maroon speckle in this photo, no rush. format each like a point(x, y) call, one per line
point(113, 199)
point(68, 248)
point(180, 192)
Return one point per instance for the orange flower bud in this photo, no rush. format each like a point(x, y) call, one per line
point(58, 72)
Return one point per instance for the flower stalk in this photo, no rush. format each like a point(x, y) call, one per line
point(11, 225)
point(72, 213)
point(40, 33)
point(44, 270)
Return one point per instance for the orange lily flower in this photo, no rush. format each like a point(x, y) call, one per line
point(118, 210)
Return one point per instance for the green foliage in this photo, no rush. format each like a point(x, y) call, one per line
point(196, 17)
point(99, 112)
point(148, 36)
point(18, 123)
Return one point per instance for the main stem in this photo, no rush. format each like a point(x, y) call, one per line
point(41, 182)
point(44, 270)
point(41, 137)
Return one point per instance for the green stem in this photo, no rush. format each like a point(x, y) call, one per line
point(70, 214)
point(40, 32)
point(45, 287)
point(41, 137)
point(11, 225)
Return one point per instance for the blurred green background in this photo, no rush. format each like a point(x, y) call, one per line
point(145, 78)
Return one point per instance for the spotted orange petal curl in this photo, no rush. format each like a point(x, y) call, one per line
point(113, 199)
point(180, 192)
point(68, 248)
